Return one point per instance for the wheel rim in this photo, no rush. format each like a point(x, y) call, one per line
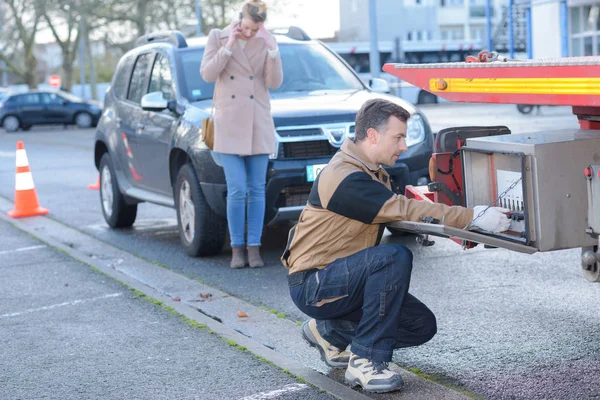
point(11, 124)
point(84, 120)
point(106, 191)
point(187, 212)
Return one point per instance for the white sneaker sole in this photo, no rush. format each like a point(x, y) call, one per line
point(354, 382)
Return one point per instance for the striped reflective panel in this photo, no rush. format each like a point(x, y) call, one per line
point(581, 86)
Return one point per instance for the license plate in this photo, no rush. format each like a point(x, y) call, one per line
point(312, 171)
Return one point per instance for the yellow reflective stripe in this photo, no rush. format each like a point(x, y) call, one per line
point(519, 85)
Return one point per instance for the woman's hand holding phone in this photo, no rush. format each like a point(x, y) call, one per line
point(235, 30)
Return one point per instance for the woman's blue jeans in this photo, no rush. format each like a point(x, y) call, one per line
point(246, 178)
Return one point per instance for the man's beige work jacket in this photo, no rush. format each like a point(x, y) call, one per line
point(348, 207)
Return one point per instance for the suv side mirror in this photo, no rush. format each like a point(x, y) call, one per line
point(154, 101)
point(379, 85)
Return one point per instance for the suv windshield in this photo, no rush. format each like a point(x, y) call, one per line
point(306, 67)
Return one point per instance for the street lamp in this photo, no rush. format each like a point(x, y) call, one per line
point(198, 18)
point(374, 55)
point(82, 55)
point(3, 66)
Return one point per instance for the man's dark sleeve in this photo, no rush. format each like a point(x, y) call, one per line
point(359, 197)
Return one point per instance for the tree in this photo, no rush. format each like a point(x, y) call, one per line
point(19, 38)
point(219, 13)
point(60, 12)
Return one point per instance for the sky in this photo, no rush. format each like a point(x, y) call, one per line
point(319, 18)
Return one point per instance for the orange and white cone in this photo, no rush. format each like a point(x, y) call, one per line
point(26, 201)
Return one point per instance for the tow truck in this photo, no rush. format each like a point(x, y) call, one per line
point(550, 180)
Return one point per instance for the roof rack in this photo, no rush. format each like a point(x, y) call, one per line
point(173, 37)
point(293, 32)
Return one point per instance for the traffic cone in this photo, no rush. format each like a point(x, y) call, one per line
point(95, 186)
point(26, 202)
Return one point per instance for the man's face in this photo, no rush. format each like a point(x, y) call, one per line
point(390, 143)
point(248, 28)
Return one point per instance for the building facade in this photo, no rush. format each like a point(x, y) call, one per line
point(561, 29)
point(584, 29)
point(419, 20)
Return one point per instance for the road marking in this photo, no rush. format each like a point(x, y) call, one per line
point(23, 249)
point(7, 154)
point(68, 303)
point(295, 387)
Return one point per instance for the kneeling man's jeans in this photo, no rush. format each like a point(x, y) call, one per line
point(375, 312)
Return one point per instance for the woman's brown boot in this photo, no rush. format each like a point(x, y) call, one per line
point(254, 257)
point(238, 257)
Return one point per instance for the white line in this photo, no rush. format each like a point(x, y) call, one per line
point(23, 249)
point(295, 387)
point(69, 303)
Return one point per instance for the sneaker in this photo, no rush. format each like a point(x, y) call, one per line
point(330, 354)
point(372, 376)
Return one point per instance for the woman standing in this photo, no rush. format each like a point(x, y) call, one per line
point(244, 60)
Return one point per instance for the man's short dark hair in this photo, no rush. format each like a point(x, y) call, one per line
point(375, 113)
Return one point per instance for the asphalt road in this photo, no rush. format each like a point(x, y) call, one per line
point(510, 325)
point(68, 332)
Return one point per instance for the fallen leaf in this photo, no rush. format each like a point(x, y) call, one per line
point(242, 314)
point(176, 298)
point(66, 284)
point(205, 296)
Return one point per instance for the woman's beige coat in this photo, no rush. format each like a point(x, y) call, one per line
point(243, 121)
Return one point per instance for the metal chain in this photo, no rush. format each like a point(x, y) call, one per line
point(511, 187)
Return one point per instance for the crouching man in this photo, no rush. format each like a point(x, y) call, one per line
point(355, 291)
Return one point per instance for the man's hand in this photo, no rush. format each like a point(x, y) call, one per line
point(268, 38)
point(494, 219)
point(234, 33)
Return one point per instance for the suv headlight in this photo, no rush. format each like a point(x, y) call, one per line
point(415, 132)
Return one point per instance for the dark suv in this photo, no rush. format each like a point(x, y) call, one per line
point(23, 110)
point(149, 145)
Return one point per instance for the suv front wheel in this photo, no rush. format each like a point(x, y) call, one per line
point(117, 213)
point(201, 230)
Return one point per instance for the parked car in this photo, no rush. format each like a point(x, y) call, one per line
point(23, 110)
point(149, 145)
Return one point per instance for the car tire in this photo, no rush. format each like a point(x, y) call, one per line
point(117, 213)
point(201, 231)
point(525, 108)
point(83, 120)
point(11, 123)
